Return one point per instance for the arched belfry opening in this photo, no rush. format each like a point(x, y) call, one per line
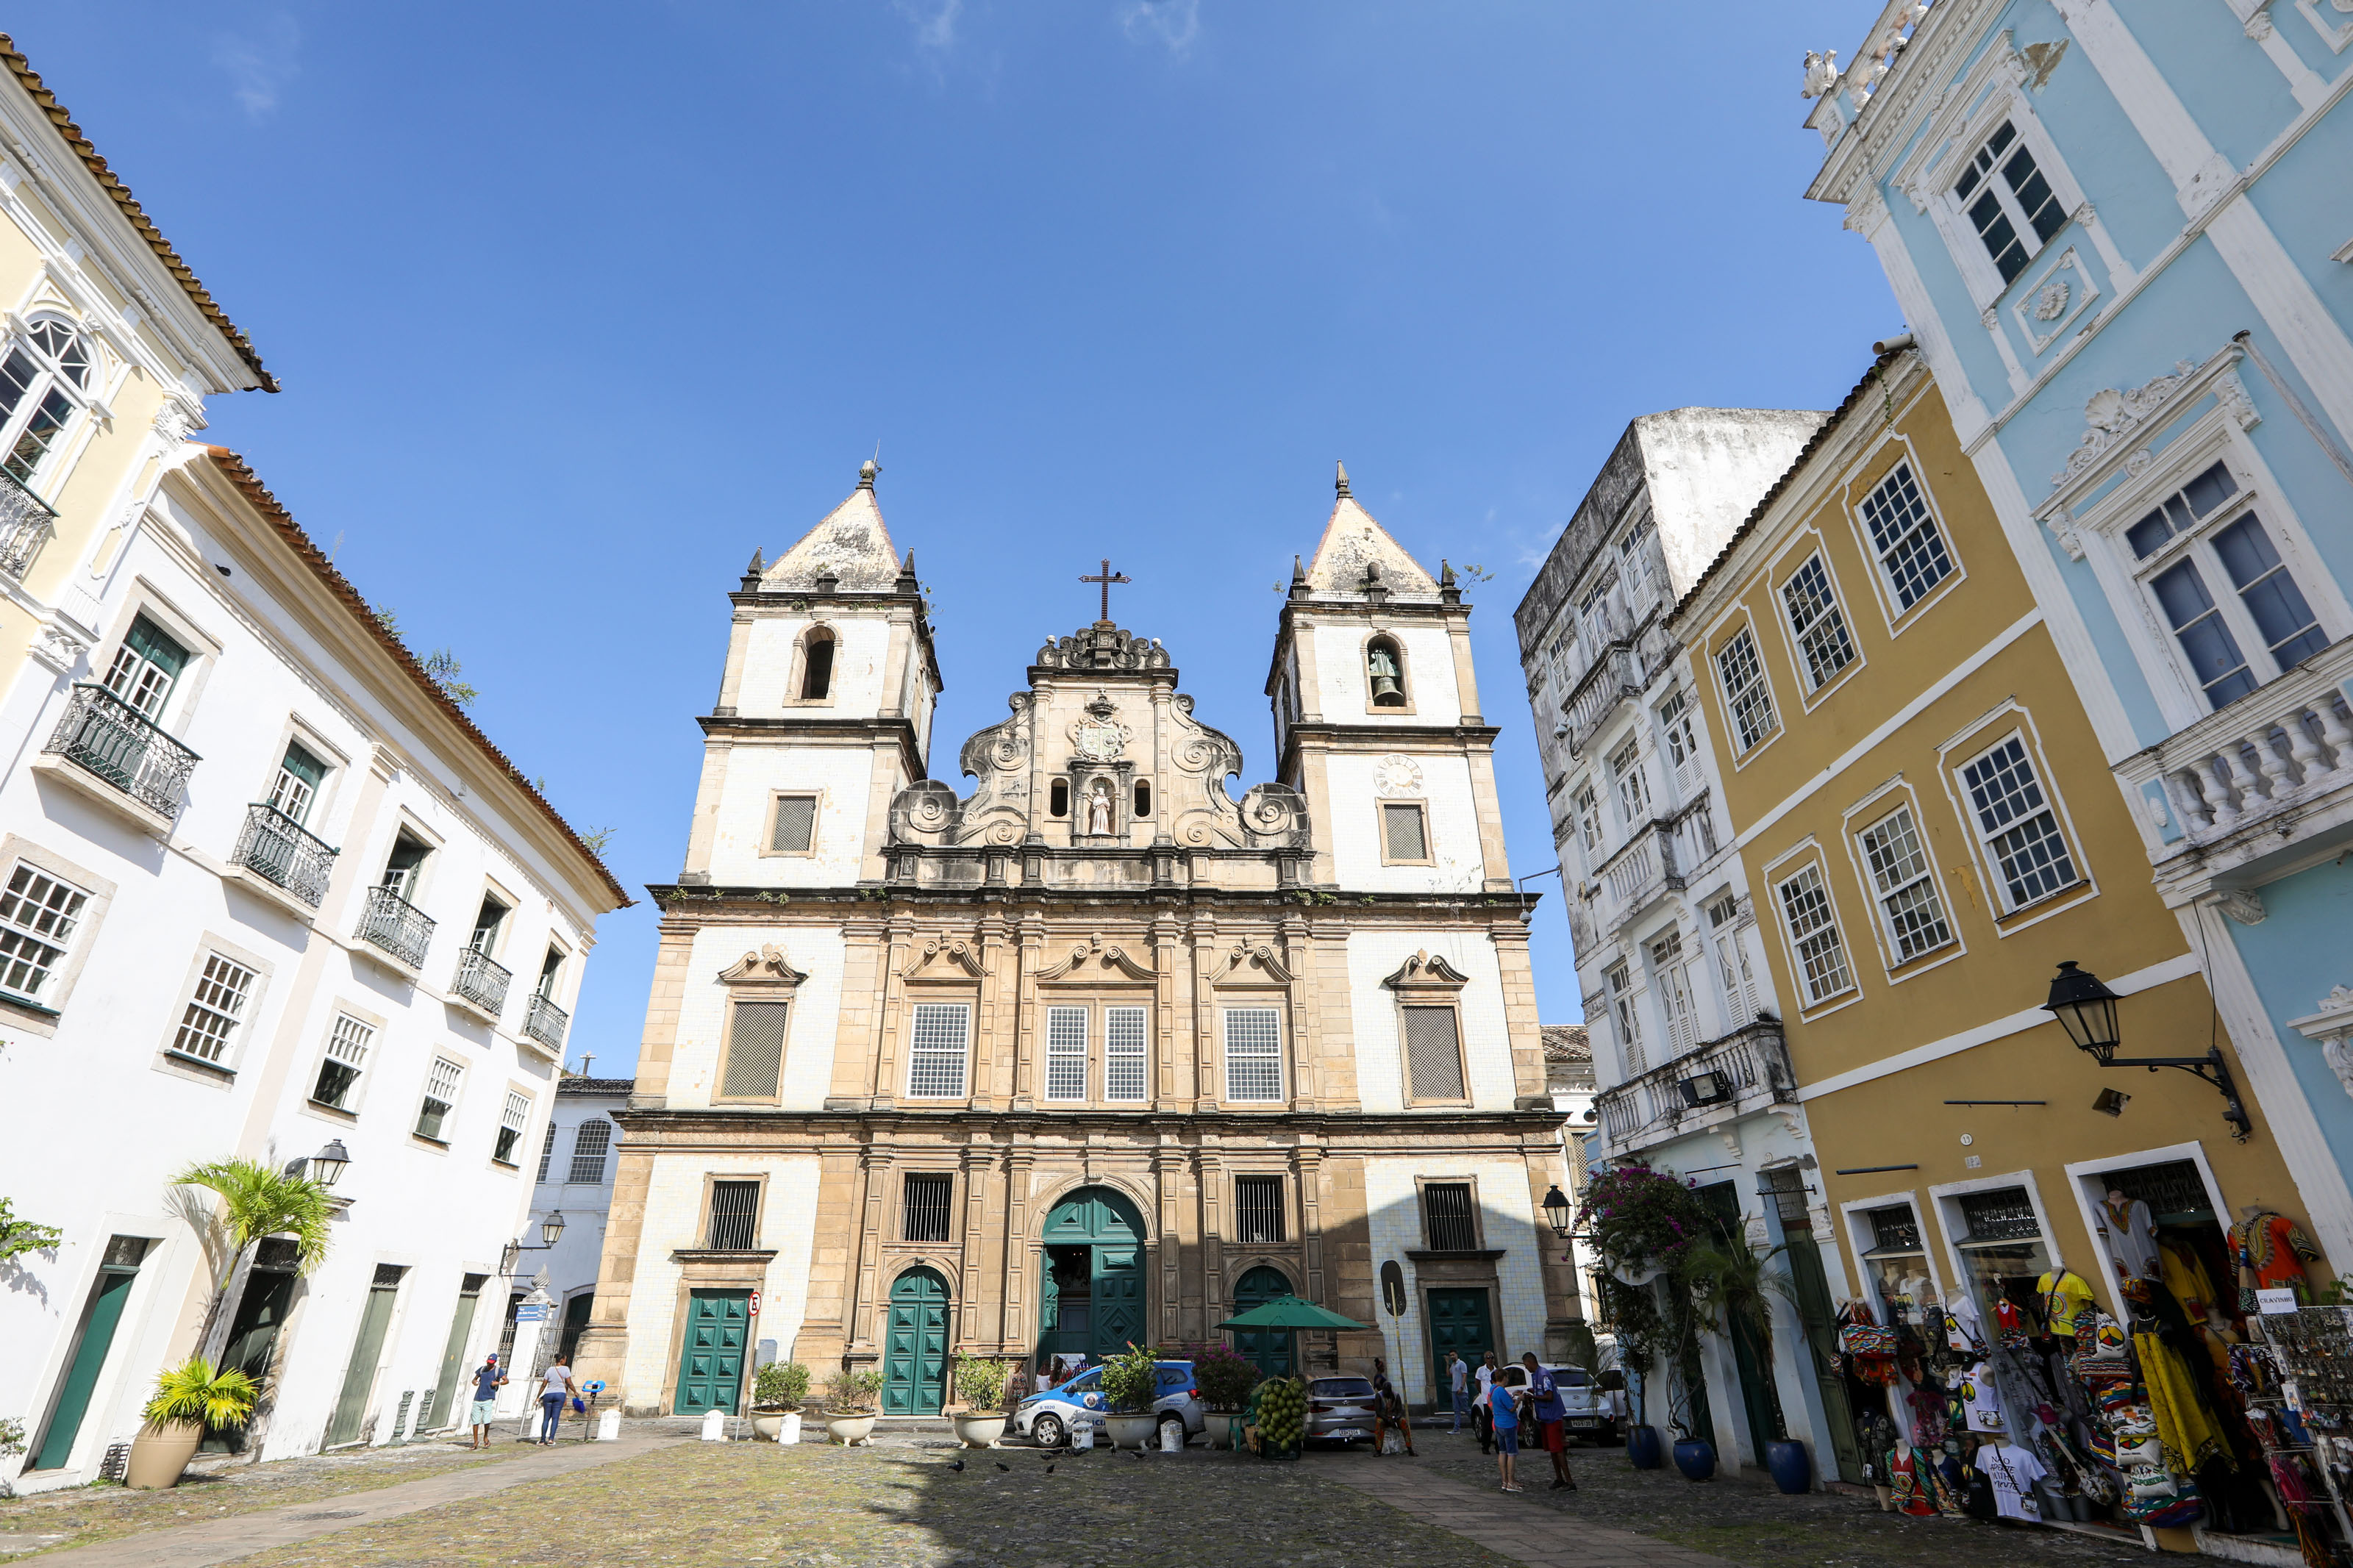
point(816, 664)
point(1385, 672)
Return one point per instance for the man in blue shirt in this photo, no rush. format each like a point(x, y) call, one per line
point(1551, 1414)
point(489, 1378)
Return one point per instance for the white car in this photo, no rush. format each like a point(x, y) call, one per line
point(1048, 1416)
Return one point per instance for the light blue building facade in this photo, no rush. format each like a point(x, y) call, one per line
point(2122, 234)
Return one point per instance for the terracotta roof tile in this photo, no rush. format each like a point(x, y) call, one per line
point(31, 82)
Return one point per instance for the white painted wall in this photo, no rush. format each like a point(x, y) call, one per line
point(1452, 819)
point(809, 1031)
point(1342, 684)
point(1395, 1211)
point(1373, 957)
point(771, 667)
point(842, 776)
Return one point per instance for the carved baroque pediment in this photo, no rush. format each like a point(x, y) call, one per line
point(948, 952)
point(1423, 973)
point(1088, 960)
point(766, 967)
point(1262, 955)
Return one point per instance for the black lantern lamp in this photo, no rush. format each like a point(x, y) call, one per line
point(550, 1231)
point(1555, 1209)
point(2086, 1009)
point(327, 1164)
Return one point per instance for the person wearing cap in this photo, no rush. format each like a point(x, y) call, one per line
point(489, 1378)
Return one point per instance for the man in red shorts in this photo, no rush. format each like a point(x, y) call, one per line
point(1552, 1421)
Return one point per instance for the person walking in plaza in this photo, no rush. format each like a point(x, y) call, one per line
point(1551, 1414)
point(1482, 1413)
point(489, 1378)
point(1388, 1410)
point(554, 1388)
point(1503, 1405)
point(1458, 1381)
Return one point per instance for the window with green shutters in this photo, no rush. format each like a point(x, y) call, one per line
point(440, 1098)
point(145, 668)
point(297, 783)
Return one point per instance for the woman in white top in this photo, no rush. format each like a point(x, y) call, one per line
point(1483, 1416)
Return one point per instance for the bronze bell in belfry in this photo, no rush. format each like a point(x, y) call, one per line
point(1384, 684)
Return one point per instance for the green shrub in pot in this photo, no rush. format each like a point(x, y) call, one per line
point(1131, 1380)
point(980, 1383)
point(781, 1385)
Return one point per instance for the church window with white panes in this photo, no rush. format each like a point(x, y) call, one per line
point(1679, 734)
point(1253, 1054)
point(2014, 819)
point(1745, 696)
point(1814, 933)
point(1634, 791)
point(1900, 880)
point(1672, 986)
point(1124, 1075)
point(1815, 621)
point(590, 1143)
point(1732, 967)
point(1066, 1053)
point(1905, 537)
point(937, 1050)
point(42, 380)
point(2007, 202)
point(1622, 1014)
point(2214, 570)
point(209, 1021)
point(39, 914)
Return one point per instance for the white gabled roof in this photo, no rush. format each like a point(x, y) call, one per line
point(1353, 541)
point(851, 542)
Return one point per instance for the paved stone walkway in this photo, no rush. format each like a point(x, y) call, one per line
point(225, 1539)
point(1504, 1525)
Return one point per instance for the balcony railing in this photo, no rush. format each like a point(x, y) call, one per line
point(1616, 676)
point(1750, 1068)
point(2280, 747)
point(25, 523)
point(276, 847)
point(398, 927)
point(107, 738)
point(1635, 876)
point(482, 981)
point(546, 1023)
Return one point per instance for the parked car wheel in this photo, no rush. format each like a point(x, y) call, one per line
point(1046, 1432)
point(1167, 1421)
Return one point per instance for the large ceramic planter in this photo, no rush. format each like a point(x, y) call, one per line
point(1792, 1467)
point(159, 1454)
point(978, 1431)
point(778, 1425)
point(849, 1428)
point(1695, 1458)
point(1133, 1431)
point(1643, 1450)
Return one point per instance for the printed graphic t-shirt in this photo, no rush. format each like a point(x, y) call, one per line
point(2013, 1472)
point(1982, 1399)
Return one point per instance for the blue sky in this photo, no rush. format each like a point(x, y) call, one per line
point(575, 305)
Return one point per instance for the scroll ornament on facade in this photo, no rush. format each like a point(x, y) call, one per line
point(2332, 1026)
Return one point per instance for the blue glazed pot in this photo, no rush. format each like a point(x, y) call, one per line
point(1791, 1465)
point(1642, 1450)
point(1695, 1458)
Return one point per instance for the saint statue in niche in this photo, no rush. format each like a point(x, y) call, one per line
point(1099, 808)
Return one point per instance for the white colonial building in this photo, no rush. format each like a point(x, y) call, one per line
point(577, 1164)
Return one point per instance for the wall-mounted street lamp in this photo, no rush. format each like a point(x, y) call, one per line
point(2086, 1009)
point(550, 1231)
point(325, 1167)
point(1557, 1214)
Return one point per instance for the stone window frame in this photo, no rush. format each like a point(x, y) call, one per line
point(516, 1089)
point(797, 673)
point(1405, 670)
point(1895, 796)
point(815, 798)
point(1803, 547)
point(1289, 1197)
point(1871, 472)
point(711, 1180)
point(1380, 811)
point(766, 976)
point(205, 650)
point(1806, 854)
point(1421, 1185)
point(1736, 624)
point(2012, 719)
point(1270, 1001)
point(899, 1231)
point(97, 896)
point(370, 1071)
point(951, 993)
point(1427, 981)
point(91, 409)
point(249, 1018)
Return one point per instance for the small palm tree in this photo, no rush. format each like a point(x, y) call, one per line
point(194, 1392)
point(258, 1202)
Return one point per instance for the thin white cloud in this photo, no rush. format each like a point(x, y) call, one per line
point(935, 22)
point(1173, 25)
point(259, 65)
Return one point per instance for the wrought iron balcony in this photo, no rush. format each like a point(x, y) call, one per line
point(546, 1023)
point(1743, 1071)
point(110, 740)
point(25, 524)
point(395, 925)
point(482, 981)
point(275, 846)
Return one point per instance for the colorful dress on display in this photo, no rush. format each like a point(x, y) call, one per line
point(2271, 1251)
point(1911, 1492)
point(2184, 1425)
point(2131, 1233)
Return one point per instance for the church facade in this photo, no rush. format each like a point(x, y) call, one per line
point(1099, 1051)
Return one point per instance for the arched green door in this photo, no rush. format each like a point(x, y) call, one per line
point(1093, 1301)
point(915, 1344)
point(1268, 1350)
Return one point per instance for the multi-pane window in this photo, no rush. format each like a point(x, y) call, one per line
point(1672, 985)
point(346, 1058)
point(404, 868)
point(937, 1050)
point(1253, 1054)
point(214, 1009)
point(1817, 622)
point(1589, 820)
point(924, 1201)
point(755, 1051)
point(1906, 892)
point(1405, 834)
point(1562, 656)
point(2008, 202)
point(1633, 790)
point(1124, 1054)
point(489, 921)
point(1679, 734)
point(1258, 1210)
point(297, 783)
point(1066, 1053)
point(591, 1141)
point(1634, 560)
point(145, 668)
point(547, 1151)
point(37, 917)
point(794, 828)
point(1813, 932)
point(512, 1119)
point(1745, 692)
point(734, 1216)
point(1449, 1221)
point(2264, 608)
point(1433, 1054)
point(2015, 819)
point(1732, 958)
point(441, 1097)
point(1621, 1010)
point(34, 406)
point(1905, 537)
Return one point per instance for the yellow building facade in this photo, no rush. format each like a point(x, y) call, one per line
point(1930, 829)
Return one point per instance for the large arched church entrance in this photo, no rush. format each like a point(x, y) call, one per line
point(1092, 1303)
point(915, 1344)
point(1268, 1350)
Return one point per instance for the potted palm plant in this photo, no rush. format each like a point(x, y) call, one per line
point(776, 1398)
point(1731, 1289)
point(255, 1202)
point(981, 1386)
point(850, 1406)
point(188, 1398)
point(1131, 1381)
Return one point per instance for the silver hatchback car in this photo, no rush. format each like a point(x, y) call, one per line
point(1340, 1410)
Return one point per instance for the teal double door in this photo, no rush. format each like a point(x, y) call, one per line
point(710, 1362)
point(915, 1344)
point(1268, 1350)
point(1092, 1300)
point(1458, 1322)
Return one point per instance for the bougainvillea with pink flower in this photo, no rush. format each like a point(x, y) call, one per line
point(1640, 1218)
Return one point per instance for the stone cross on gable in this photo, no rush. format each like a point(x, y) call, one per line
point(1106, 577)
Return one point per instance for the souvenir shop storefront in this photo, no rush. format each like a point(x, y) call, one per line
point(2168, 1380)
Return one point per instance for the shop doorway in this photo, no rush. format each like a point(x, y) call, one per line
point(253, 1347)
point(1093, 1299)
point(711, 1366)
point(915, 1344)
point(1268, 1350)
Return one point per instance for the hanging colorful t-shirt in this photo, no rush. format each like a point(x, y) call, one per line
point(2271, 1251)
point(2064, 1294)
point(1982, 1399)
point(2013, 1471)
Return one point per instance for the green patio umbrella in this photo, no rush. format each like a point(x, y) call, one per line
point(1291, 1313)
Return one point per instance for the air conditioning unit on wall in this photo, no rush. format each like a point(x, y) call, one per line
point(1709, 1087)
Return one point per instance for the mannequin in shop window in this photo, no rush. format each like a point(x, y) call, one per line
point(2271, 1251)
point(2130, 1232)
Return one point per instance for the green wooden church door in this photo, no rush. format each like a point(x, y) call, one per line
point(1100, 1229)
point(915, 1344)
point(1268, 1350)
point(710, 1366)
